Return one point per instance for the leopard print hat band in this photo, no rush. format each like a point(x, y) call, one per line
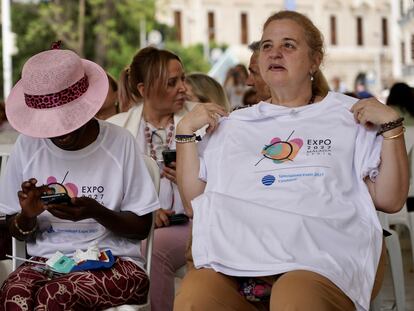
point(63, 97)
point(58, 93)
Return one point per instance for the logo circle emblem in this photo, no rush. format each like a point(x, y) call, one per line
point(268, 180)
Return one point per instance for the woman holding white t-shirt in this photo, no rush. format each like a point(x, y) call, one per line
point(284, 194)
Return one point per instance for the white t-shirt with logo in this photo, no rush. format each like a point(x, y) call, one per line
point(111, 170)
point(285, 191)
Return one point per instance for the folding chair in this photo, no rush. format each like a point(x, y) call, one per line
point(4, 157)
point(404, 217)
point(6, 264)
point(392, 244)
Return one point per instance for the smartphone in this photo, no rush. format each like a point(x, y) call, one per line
point(169, 156)
point(178, 219)
point(56, 198)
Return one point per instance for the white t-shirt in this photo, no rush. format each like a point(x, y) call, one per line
point(109, 170)
point(285, 191)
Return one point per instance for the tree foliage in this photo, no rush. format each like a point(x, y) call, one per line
point(105, 31)
point(192, 56)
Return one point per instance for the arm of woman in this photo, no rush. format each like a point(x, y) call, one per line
point(124, 223)
point(188, 163)
point(390, 189)
point(24, 224)
point(21, 227)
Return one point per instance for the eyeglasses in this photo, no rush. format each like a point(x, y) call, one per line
point(158, 137)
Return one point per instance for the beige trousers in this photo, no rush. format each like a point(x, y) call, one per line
point(207, 290)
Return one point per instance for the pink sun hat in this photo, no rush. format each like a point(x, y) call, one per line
point(58, 93)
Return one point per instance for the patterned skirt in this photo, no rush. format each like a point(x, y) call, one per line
point(28, 289)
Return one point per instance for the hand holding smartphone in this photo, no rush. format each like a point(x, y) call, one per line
point(56, 198)
point(57, 194)
point(169, 156)
point(178, 219)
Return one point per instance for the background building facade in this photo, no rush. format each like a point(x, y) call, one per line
point(359, 34)
point(404, 48)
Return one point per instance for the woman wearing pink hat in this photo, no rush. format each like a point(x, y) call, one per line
point(65, 151)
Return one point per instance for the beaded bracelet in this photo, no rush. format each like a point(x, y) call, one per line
point(385, 127)
point(185, 138)
point(20, 229)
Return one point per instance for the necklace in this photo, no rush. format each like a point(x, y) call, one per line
point(158, 139)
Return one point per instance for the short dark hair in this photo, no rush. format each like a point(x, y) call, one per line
point(254, 46)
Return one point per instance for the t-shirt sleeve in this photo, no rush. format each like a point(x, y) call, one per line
point(202, 175)
point(209, 150)
point(11, 181)
point(367, 153)
point(139, 196)
point(201, 146)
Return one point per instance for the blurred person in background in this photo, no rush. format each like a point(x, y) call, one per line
point(205, 89)
point(361, 90)
point(8, 134)
point(338, 85)
point(110, 106)
point(156, 79)
point(250, 98)
point(235, 85)
point(254, 78)
point(401, 98)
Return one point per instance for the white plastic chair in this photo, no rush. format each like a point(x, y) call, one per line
point(19, 247)
point(179, 276)
point(404, 217)
point(5, 269)
point(392, 244)
point(5, 265)
point(409, 137)
point(4, 157)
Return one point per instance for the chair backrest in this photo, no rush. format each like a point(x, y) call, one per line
point(411, 171)
point(4, 156)
point(409, 137)
point(154, 172)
